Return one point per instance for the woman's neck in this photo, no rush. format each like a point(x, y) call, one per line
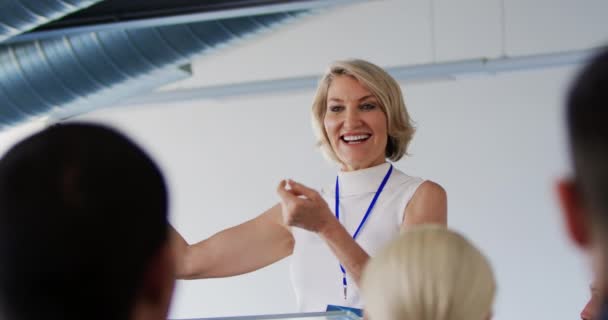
point(349, 167)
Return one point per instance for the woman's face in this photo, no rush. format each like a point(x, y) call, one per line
point(355, 124)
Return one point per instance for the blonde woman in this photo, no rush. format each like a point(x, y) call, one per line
point(360, 121)
point(429, 273)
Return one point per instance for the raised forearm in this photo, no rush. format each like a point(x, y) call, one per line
point(350, 254)
point(237, 250)
point(305, 208)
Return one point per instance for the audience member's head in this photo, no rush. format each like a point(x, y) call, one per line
point(584, 197)
point(429, 273)
point(83, 228)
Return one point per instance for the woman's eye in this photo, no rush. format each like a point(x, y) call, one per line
point(336, 108)
point(368, 106)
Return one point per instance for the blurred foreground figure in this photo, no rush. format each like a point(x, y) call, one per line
point(83, 228)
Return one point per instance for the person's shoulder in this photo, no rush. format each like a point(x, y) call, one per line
point(420, 187)
point(400, 179)
point(427, 205)
point(430, 189)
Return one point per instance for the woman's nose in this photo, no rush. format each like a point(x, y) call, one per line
point(353, 118)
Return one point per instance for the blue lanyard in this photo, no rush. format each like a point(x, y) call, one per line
point(367, 213)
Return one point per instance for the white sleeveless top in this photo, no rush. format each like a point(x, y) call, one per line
point(315, 271)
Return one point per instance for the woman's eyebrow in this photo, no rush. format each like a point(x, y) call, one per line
point(366, 97)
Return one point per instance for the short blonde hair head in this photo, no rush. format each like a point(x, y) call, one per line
point(429, 273)
point(384, 88)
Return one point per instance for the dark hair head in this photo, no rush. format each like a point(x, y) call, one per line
point(587, 120)
point(82, 211)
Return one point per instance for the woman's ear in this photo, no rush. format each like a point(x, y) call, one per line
point(573, 213)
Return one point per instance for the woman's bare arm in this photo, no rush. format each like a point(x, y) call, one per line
point(243, 248)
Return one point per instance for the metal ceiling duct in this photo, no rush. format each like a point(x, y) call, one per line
point(18, 16)
point(71, 74)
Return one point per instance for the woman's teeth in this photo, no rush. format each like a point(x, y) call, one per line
point(356, 139)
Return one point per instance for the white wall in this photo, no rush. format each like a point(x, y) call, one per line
point(10, 136)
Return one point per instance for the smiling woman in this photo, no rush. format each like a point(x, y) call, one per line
point(360, 121)
point(355, 125)
point(357, 86)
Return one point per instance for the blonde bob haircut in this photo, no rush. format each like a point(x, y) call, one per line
point(429, 273)
point(387, 92)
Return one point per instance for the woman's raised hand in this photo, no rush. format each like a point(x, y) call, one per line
point(303, 207)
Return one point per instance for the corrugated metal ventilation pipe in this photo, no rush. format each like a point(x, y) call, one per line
point(72, 74)
point(18, 16)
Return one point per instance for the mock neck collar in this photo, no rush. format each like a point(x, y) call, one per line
point(363, 180)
